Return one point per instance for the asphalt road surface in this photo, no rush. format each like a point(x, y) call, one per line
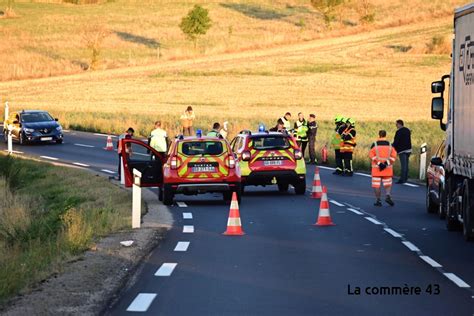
point(401, 259)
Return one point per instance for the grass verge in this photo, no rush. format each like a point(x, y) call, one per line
point(49, 215)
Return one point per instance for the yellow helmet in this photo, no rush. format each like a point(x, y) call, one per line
point(338, 119)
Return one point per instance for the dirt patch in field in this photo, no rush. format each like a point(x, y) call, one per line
point(89, 283)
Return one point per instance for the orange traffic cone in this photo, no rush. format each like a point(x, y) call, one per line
point(324, 218)
point(234, 226)
point(109, 145)
point(317, 191)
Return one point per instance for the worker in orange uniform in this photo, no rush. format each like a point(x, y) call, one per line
point(383, 156)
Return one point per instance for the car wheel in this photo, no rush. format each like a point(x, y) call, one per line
point(168, 195)
point(300, 187)
point(283, 187)
point(430, 206)
point(59, 141)
point(160, 194)
point(22, 139)
point(467, 215)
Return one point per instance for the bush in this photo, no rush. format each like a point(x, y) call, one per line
point(327, 8)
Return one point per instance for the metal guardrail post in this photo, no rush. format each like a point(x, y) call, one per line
point(423, 150)
point(136, 199)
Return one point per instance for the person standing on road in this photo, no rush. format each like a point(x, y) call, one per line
point(312, 131)
point(187, 121)
point(215, 130)
point(402, 144)
point(286, 121)
point(128, 148)
point(301, 132)
point(336, 142)
point(347, 147)
point(383, 155)
point(158, 139)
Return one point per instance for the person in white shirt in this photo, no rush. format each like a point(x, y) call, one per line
point(158, 139)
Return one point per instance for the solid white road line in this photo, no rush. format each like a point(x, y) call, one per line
point(355, 211)
point(107, 171)
point(363, 174)
point(49, 158)
point(182, 246)
point(80, 164)
point(83, 145)
point(453, 277)
point(188, 229)
point(181, 204)
point(187, 215)
point(431, 262)
point(376, 222)
point(327, 168)
point(15, 152)
point(336, 203)
point(166, 269)
point(411, 185)
point(99, 134)
point(141, 302)
point(410, 246)
point(392, 232)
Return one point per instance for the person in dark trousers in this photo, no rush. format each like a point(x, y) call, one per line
point(312, 131)
point(301, 132)
point(127, 135)
point(347, 146)
point(402, 144)
point(336, 142)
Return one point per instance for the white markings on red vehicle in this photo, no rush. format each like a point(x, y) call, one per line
point(166, 269)
point(142, 302)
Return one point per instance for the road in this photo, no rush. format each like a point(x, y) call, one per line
point(284, 265)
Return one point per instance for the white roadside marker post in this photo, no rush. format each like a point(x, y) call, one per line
point(10, 139)
point(6, 111)
point(122, 172)
point(136, 199)
point(423, 150)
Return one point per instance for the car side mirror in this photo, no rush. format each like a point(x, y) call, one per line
point(437, 108)
point(437, 87)
point(436, 161)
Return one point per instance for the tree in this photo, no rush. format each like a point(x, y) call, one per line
point(196, 23)
point(93, 37)
point(327, 8)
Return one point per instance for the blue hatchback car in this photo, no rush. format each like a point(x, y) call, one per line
point(33, 126)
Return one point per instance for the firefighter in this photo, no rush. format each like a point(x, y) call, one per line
point(158, 139)
point(286, 121)
point(312, 131)
point(128, 149)
point(336, 143)
point(301, 132)
point(215, 130)
point(347, 146)
point(383, 155)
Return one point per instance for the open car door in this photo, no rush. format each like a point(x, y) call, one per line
point(138, 155)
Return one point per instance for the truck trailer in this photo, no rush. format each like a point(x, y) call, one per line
point(456, 195)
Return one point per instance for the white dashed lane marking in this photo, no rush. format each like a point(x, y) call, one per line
point(336, 203)
point(142, 302)
point(188, 229)
point(83, 145)
point(182, 246)
point(363, 174)
point(376, 222)
point(15, 152)
point(411, 185)
point(355, 211)
point(181, 204)
point(431, 262)
point(392, 232)
point(99, 134)
point(166, 269)
point(80, 164)
point(453, 277)
point(410, 246)
point(187, 215)
point(327, 168)
point(107, 171)
point(49, 158)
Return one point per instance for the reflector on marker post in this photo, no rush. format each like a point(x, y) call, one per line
point(423, 150)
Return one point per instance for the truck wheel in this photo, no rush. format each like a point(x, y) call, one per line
point(430, 206)
point(300, 187)
point(168, 195)
point(283, 187)
point(467, 209)
point(452, 223)
point(442, 203)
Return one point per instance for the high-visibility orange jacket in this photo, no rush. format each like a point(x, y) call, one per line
point(348, 140)
point(380, 152)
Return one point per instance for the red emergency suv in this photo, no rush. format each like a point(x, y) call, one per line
point(267, 158)
point(200, 165)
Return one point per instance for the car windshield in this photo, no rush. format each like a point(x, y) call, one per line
point(270, 142)
point(36, 117)
point(210, 148)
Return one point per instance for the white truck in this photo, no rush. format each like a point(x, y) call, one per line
point(457, 193)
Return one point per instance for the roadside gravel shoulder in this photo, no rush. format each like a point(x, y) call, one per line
point(88, 284)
